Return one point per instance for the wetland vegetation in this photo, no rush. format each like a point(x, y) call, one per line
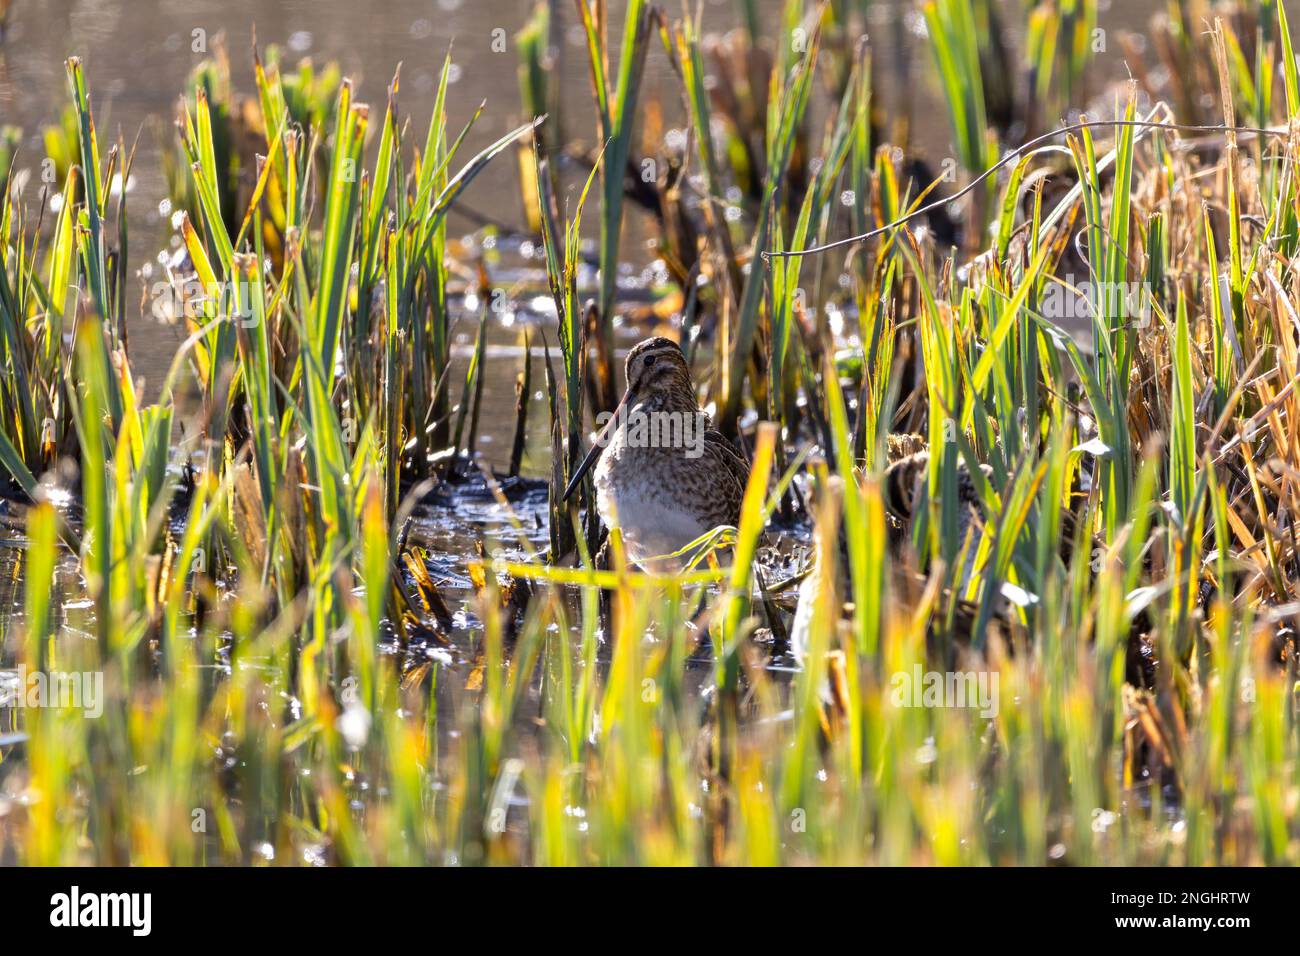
point(1015, 579)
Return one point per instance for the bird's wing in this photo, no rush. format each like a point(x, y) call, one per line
point(734, 467)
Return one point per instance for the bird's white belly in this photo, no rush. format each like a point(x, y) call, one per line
point(652, 523)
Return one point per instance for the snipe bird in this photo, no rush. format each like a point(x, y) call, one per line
point(904, 481)
point(663, 476)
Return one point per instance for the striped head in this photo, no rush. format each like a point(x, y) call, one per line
point(656, 369)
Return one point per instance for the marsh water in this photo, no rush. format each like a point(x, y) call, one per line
point(139, 53)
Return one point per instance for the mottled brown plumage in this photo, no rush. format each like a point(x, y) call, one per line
point(904, 481)
point(664, 488)
point(905, 475)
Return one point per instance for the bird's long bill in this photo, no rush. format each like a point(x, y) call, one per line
point(596, 448)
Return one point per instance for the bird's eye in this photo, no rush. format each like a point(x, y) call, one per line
point(649, 360)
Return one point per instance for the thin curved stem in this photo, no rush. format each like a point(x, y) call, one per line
point(1016, 153)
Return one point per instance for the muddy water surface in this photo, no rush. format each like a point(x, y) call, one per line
point(139, 53)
